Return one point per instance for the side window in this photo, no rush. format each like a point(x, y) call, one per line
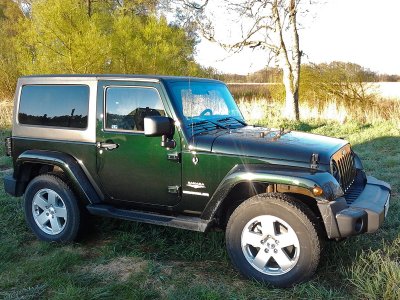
point(126, 107)
point(54, 105)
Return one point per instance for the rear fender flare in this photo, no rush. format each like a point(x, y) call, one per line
point(75, 172)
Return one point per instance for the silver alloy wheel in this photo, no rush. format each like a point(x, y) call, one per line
point(49, 211)
point(270, 245)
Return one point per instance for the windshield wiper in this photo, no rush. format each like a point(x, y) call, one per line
point(203, 126)
point(228, 122)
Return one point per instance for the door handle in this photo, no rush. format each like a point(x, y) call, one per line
point(107, 146)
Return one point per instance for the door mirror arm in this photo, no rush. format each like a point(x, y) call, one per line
point(167, 142)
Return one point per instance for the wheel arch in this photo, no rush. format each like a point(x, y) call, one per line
point(243, 183)
point(32, 163)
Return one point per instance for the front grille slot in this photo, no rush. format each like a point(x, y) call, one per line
point(355, 189)
point(343, 168)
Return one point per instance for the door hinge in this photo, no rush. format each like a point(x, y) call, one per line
point(176, 156)
point(174, 189)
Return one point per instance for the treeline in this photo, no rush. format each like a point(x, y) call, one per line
point(336, 91)
point(344, 70)
point(347, 83)
point(90, 36)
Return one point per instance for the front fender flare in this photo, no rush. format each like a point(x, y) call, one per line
point(273, 174)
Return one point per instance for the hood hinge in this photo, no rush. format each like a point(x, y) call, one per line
point(314, 161)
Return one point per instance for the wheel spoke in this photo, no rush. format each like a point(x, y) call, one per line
point(40, 201)
point(287, 239)
point(54, 225)
point(251, 238)
point(52, 197)
point(282, 260)
point(261, 259)
point(42, 218)
point(268, 227)
point(61, 212)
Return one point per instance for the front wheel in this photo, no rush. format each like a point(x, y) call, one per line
point(51, 209)
point(273, 239)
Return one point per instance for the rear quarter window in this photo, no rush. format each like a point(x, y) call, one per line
point(54, 106)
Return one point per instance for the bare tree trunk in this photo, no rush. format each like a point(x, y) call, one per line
point(296, 59)
point(290, 59)
point(291, 110)
point(89, 8)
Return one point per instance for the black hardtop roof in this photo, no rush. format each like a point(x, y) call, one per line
point(122, 76)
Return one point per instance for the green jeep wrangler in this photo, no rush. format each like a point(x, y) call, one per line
point(176, 151)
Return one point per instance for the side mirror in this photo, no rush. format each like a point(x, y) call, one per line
point(159, 126)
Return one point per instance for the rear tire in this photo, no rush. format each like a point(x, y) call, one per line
point(51, 209)
point(273, 239)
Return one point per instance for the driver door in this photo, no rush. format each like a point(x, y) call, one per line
point(137, 170)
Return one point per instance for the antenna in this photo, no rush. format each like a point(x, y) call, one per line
point(191, 110)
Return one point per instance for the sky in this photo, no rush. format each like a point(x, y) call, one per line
point(365, 32)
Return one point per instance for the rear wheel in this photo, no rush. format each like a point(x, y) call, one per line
point(271, 238)
point(51, 209)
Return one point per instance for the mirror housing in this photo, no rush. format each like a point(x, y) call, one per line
point(159, 126)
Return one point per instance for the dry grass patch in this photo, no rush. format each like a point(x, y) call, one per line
point(121, 268)
point(6, 108)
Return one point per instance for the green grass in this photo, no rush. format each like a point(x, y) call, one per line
point(128, 260)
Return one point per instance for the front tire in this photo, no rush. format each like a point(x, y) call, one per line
point(273, 239)
point(51, 209)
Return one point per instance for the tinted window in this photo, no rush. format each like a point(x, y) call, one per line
point(54, 105)
point(126, 107)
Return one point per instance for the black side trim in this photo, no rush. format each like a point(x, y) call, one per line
point(183, 222)
point(11, 186)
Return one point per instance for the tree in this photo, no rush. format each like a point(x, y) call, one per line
point(9, 15)
point(348, 83)
point(60, 37)
point(149, 45)
point(81, 36)
point(266, 24)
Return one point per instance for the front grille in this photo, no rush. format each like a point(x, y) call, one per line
point(343, 168)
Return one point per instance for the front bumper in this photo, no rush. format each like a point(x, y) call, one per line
point(352, 215)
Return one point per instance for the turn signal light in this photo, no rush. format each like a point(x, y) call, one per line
point(317, 191)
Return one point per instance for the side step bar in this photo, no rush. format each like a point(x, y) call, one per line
point(183, 222)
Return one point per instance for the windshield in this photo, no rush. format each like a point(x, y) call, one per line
point(201, 102)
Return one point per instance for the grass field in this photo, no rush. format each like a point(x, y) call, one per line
point(121, 259)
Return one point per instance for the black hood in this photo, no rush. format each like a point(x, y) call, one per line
point(270, 143)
